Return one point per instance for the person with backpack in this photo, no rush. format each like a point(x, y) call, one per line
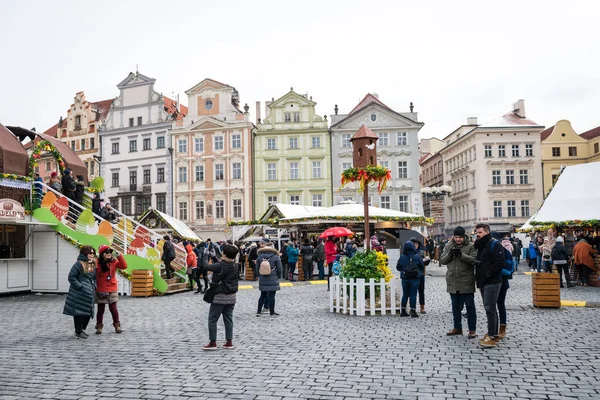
point(269, 268)
point(560, 258)
point(168, 256)
point(490, 262)
point(506, 273)
point(412, 268)
point(292, 254)
point(459, 256)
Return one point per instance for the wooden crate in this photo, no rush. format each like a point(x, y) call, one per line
point(142, 283)
point(545, 289)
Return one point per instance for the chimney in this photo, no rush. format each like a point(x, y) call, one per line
point(472, 121)
point(258, 116)
point(267, 109)
point(375, 95)
point(519, 108)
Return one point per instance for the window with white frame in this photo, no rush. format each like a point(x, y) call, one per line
point(198, 145)
point(295, 199)
point(384, 202)
point(524, 208)
point(182, 174)
point(384, 139)
point(287, 117)
point(294, 170)
point(402, 140)
point(501, 150)
point(237, 208)
point(346, 165)
point(219, 172)
point(496, 179)
point(403, 203)
point(182, 145)
point(183, 210)
point(346, 140)
point(316, 142)
point(271, 200)
point(160, 142)
point(511, 208)
point(296, 117)
point(271, 144)
point(316, 169)
point(199, 173)
point(317, 200)
point(402, 169)
point(132, 146)
point(236, 170)
point(236, 141)
point(497, 208)
point(510, 177)
point(200, 209)
point(515, 150)
point(529, 150)
point(219, 142)
point(219, 209)
point(524, 177)
point(293, 143)
point(271, 171)
point(487, 151)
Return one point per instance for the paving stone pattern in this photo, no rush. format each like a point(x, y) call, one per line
point(306, 353)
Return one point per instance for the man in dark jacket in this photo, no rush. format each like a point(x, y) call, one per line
point(560, 258)
point(68, 188)
point(168, 256)
point(407, 263)
point(489, 264)
point(459, 255)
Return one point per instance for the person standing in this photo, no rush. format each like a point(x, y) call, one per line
point(79, 189)
point(268, 284)
point(560, 257)
point(459, 256)
point(68, 188)
point(284, 259)
point(54, 182)
point(411, 268)
point(202, 257)
point(546, 253)
point(168, 255)
point(506, 275)
point(532, 255)
point(307, 260)
point(583, 256)
point(225, 276)
point(80, 299)
point(421, 252)
point(490, 262)
point(191, 263)
point(292, 254)
point(107, 290)
point(252, 256)
point(539, 242)
point(383, 243)
point(319, 257)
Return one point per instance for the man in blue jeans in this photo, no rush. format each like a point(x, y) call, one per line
point(489, 264)
point(412, 268)
point(459, 256)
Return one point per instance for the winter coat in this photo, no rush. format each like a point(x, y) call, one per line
point(226, 273)
point(81, 296)
point(191, 260)
point(79, 191)
point(490, 264)
point(96, 209)
point(330, 251)
point(583, 254)
point(168, 251)
point(410, 252)
point(103, 284)
point(292, 253)
point(284, 256)
point(546, 250)
point(350, 250)
point(560, 254)
point(202, 257)
point(319, 254)
point(307, 252)
point(110, 216)
point(508, 245)
point(269, 283)
point(532, 250)
point(69, 186)
point(460, 276)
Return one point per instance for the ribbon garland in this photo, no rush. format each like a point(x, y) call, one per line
point(47, 146)
point(366, 175)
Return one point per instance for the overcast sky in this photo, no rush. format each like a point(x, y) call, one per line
point(453, 59)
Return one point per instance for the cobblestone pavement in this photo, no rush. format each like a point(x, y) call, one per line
point(306, 353)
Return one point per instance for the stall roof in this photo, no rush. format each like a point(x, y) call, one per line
point(290, 211)
point(14, 158)
point(178, 226)
point(572, 198)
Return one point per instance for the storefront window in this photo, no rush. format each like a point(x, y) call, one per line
point(12, 241)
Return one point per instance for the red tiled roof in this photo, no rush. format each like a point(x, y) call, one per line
point(591, 134)
point(424, 157)
point(103, 107)
point(368, 99)
point(546, 132)
point(171, 107)
point(364, 132)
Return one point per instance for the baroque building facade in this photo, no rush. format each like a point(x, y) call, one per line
point(212, 147)
point(135, 147)
point(292, 155)
point(397, 149)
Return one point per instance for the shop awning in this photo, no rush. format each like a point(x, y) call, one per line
point(13, 156)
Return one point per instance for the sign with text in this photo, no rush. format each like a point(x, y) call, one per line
point(11, 210)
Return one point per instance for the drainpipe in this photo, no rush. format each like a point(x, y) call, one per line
point(253, 132)
point(331, 165)
point(170, 208)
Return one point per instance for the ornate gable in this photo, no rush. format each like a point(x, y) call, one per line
point(207, 123)
point(135, 79)
point(292, 97)
point(208, 84)
point(376, 116)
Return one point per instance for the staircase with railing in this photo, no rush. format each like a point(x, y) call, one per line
point(128, 235)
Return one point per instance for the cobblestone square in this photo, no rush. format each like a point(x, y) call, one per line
point(305, 353)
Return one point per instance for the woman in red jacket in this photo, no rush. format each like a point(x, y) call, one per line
point(106, 290)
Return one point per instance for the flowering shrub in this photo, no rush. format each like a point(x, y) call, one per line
point(383, 266)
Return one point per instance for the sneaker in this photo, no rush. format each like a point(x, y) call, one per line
point(212, 345)
point(414, 314)
point(487, 341)
point(274, 314)
point(229, 345)
point(80, 336)
point(454, 332)
point(404, 313)
point(83, 333)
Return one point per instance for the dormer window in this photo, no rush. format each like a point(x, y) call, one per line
point(78, 122)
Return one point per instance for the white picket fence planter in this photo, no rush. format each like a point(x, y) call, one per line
point(124, 286)
point(342, 298)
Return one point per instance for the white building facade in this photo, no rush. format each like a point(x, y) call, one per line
point(397, 149)
point(495, 172)
point(135, 148)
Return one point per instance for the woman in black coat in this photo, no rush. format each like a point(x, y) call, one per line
point(79, 189)
point(80, 299)
point(307, 260)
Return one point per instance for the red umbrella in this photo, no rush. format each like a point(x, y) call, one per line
point(336, 231)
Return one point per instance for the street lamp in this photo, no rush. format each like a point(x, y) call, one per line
point(436, 192)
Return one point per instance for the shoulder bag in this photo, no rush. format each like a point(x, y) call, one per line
point(210, 293)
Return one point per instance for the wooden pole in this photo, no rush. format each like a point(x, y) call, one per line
point(367, 233)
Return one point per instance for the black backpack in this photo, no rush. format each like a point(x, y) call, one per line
point(411, 271)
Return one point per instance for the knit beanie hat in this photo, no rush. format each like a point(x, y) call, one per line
point(459, 231)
